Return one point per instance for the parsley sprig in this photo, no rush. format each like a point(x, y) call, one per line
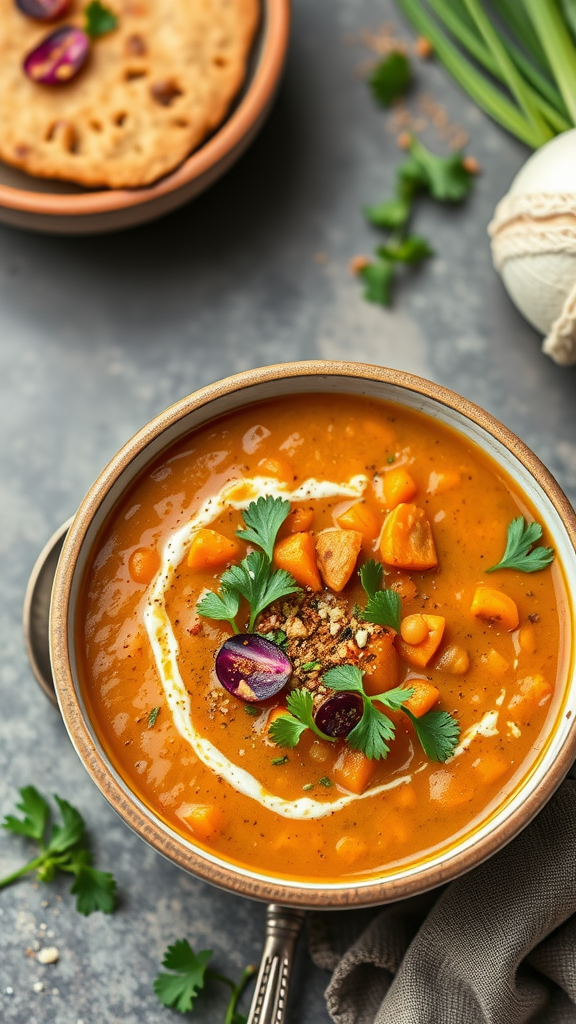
point(437, 731)
point(445, 179)
point(62, 847)
point(521, 552)
point(254, 578)
point(180, 989)
point(384, 606)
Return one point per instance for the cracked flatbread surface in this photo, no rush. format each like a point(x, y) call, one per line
point(149, 94)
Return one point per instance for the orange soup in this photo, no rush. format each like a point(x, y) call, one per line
point(294, 649)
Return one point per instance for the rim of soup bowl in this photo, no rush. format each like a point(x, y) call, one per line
point(558, 748)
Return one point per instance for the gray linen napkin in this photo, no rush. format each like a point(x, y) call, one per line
point(497, 946)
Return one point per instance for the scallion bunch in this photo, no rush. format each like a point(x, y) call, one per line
point(515, 58)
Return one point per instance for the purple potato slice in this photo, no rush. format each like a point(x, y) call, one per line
point(252, 668)
point(338, 715)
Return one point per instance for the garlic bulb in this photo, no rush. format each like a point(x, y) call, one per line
point(534, 244)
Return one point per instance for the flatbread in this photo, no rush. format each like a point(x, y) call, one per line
point(148, 95)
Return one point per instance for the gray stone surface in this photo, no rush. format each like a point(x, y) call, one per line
point(97, 335)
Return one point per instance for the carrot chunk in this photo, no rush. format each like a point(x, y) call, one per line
point(495, 663)
point(351, 848)
point(527, 639)
point(278, 468)
point(210, 550)
point(534, 690)
point(380, 664)
point(447, 480)
point(361, 518)
point(450, 790)
point(205, 820)
point(425, 696)
point(353, 770)
point(491, 767)
point(407, 539)
point(297, 554)
point(495, 607)
point(298, 520)
point(398, 487)
point(144, 564)
point(337, 551)
point(420, 654)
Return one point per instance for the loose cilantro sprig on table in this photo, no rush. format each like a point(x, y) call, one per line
point(390, 78)
point(437, 731)
point(384, 606)
point(254, 578)
point(180, 989)
point(445, 179)
point(521, 552)
point(62, 847)
point(99, 19)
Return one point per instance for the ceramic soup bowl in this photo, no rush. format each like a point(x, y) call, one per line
point(551, 507)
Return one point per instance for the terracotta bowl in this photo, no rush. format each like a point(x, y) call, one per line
point(552, 508)
point(58, 207)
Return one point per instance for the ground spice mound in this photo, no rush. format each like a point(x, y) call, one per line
point(322, 632)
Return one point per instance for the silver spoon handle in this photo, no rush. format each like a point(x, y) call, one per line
point(283, 925)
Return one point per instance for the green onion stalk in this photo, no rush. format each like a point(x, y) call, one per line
point(515, 58)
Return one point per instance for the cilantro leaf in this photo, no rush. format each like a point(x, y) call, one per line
point(411, 250)
point(437, 733)
point(263, 519)
point(152, 717)
point(384, 609)
point(36, 813)
point(180, 990)
point(259, 583)
point(446, 178)
point(276, 636)
point(344, 678)
point(390, 215)
point(222, 606)
point(70, 832)
point(520, 551)
point(377, 277)
point(411, 179)
point(99, 19)
point(372, 733)
point(371, 576)
point(395, 698)
point(286, 731)
point(391, 78)
point(301, 705)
